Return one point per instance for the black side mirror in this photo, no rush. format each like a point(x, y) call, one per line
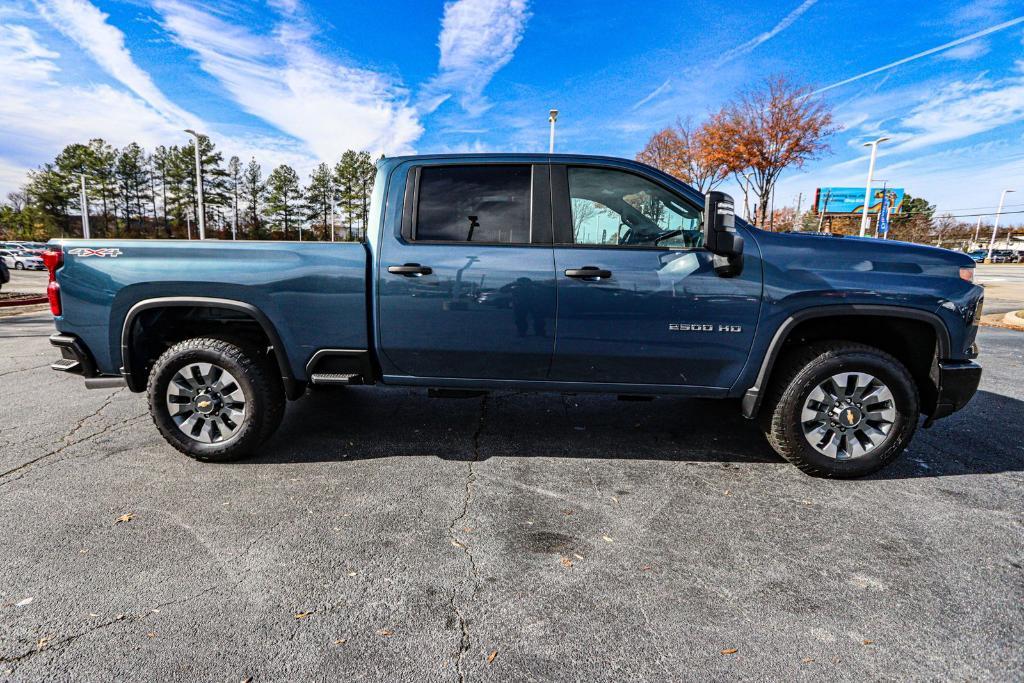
point(720, 236)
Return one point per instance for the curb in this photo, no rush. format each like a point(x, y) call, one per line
point(1014, 320)
point(23, 302)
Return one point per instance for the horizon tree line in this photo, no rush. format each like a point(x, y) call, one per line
point(135, 193)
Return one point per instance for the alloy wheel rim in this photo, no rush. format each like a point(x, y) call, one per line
point(848, 415)
point(206, 402)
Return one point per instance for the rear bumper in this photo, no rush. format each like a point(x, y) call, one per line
point(76, 360)
point(957, 383)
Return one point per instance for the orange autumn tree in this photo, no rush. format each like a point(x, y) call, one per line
point(767, 130)
point(682, 151)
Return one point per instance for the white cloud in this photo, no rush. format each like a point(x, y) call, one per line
point(22, 58)
point(963, 109)
point(39, 115)
point(478, 38)
point(967, 51)
point(657, 92)
point(286, 81)
point(757, 40)
point(87, 26)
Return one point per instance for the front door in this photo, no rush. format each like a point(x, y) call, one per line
point(466, 291)
point(639, 301)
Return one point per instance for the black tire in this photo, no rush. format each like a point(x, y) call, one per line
point(801, 371)
point(18, 265)
point(260, 385)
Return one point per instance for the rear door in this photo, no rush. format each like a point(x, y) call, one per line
point(639, 301)
point(466, 287)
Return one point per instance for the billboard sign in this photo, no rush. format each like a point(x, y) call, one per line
point(851, 199)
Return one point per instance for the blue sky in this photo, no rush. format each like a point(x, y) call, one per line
point(300, 81)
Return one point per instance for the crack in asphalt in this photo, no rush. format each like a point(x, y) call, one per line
point(68, 440)
point(14, 372)
point(453, 533)
point(49, 647)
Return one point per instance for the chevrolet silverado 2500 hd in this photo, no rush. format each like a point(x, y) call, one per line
point(538, 272)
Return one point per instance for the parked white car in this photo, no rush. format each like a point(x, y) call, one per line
point(22, 261)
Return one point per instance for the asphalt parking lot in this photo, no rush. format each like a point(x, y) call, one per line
point(383, 535)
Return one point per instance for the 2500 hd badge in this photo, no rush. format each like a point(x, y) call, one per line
point(702, 327)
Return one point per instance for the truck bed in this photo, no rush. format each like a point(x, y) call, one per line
point(315, 292)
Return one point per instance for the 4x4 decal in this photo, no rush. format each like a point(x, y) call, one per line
point(112, 252)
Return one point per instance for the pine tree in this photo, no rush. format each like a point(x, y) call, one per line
point(346, 183)
point(253, 192)
point(283, 197)
point(234, 188)
point(319, 199)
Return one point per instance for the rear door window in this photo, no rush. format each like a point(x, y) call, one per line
point(482, 204)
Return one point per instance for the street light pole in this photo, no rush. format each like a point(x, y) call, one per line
point(995, 226)
point(85, 210)
point(199, 185)
point(977, 231)
point(867, 190)
point(552, 117)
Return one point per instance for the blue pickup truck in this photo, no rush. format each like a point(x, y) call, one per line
point(557, 273)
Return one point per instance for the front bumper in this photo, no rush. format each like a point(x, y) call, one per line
point(957, 383)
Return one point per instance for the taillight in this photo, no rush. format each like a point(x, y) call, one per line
point(53, 259)
point(967, 274)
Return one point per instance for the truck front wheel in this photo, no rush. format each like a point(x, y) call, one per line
point(214, 400)
point(840, 409)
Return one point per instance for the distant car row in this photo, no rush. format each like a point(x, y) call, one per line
point(998, 255)
point(22, 255)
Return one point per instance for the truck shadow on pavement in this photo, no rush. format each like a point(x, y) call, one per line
point(363, 424)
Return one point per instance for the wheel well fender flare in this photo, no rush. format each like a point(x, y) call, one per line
point(287, 376)
point(753, 396)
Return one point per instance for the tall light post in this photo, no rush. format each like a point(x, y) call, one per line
point(552, 117)
point(85, 209)
point(995, 226)
point(977, 231)
point(199, 185)
point(867, 191)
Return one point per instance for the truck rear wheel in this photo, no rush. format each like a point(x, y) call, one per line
point(214, 400)
point(840, 409)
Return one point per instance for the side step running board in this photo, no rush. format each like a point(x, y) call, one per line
point(335, 378)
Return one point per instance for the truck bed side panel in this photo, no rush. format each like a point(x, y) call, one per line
point(313, 293)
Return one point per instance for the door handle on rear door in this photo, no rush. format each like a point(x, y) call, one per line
point(588, 272)
point(410, 270)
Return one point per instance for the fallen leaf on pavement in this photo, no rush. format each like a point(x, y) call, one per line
point(341, 641)
point(42, 643)
point(730, 651)
point(608, 539)
point(646, 568)
point(578, 556)
point(806, 660)
point(302, 615)
point(22, 603)
point(384, 632)
point(457, 544)
point(126, 517)
point(868, 642)
point(467, 529)
point(566, 562)
point(567, 512)
point(490, 657)
point(151, 635)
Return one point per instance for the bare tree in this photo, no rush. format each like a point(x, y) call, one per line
point(768, 130)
